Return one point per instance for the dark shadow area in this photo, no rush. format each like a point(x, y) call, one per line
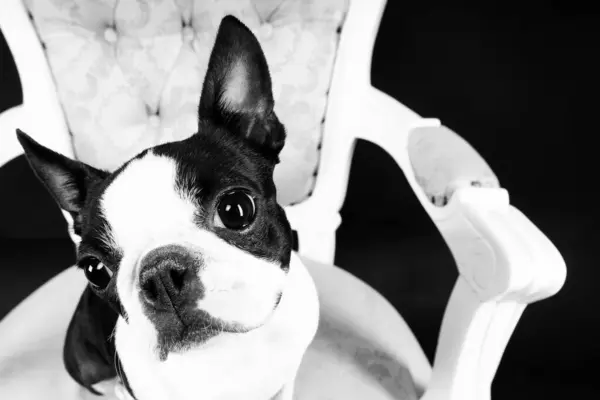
point(10, 86)
point(28, 210)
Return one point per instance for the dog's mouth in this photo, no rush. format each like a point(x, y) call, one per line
point(190, 298)
point(178, 333)
point(182, 332)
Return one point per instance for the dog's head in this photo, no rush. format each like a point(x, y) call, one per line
point(186, 240)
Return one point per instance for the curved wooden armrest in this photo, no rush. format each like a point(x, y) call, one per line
point(504, 261)
point(41, 114)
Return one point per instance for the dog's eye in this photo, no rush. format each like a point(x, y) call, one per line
point(236, 210)
point(97, 274)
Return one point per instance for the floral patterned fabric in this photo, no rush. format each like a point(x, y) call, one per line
point(129, 72)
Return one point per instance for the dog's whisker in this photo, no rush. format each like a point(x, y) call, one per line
point(118, 369)
point(113, 333)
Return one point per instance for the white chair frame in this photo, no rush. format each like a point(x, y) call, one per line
point(504, 261)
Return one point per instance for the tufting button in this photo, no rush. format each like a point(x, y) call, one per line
point(266, 31)
point(110, 34)
point(154, 121)
point(188, 34)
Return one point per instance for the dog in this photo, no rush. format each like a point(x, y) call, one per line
point(194, 291)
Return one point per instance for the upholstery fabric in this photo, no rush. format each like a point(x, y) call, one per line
point(129, 72)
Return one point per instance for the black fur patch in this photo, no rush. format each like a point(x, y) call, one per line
point(89, 350)
point(211, 163)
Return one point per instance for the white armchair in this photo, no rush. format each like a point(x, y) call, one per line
point(504, 261)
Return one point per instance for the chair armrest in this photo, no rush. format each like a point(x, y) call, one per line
point(41, 114)
point(501, 253)
point(504, 261)
point(514, 259)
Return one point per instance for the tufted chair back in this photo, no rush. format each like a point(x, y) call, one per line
point(129, 72)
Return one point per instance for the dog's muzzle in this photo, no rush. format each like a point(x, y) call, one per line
point(169, 279)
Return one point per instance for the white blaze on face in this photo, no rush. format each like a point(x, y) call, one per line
point(239, 287)
point(145, 210)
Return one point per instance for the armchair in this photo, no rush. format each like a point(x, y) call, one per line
point(504, 261)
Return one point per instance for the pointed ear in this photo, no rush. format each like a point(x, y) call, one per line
point(237, 90)
point(68, 181)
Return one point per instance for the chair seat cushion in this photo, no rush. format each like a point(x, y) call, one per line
point(129, 73)
point(363, 348)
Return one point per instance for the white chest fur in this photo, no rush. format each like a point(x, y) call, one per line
point(250, 366)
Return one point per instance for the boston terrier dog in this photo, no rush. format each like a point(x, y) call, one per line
point(194, 291)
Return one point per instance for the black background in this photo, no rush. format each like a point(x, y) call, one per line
point(520, 84)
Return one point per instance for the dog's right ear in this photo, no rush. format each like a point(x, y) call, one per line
point(237, 90)
point(68, 181)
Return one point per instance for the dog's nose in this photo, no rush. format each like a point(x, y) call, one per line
point(169, 277)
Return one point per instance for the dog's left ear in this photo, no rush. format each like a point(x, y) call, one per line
point(68, 181)
point(237, 91)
